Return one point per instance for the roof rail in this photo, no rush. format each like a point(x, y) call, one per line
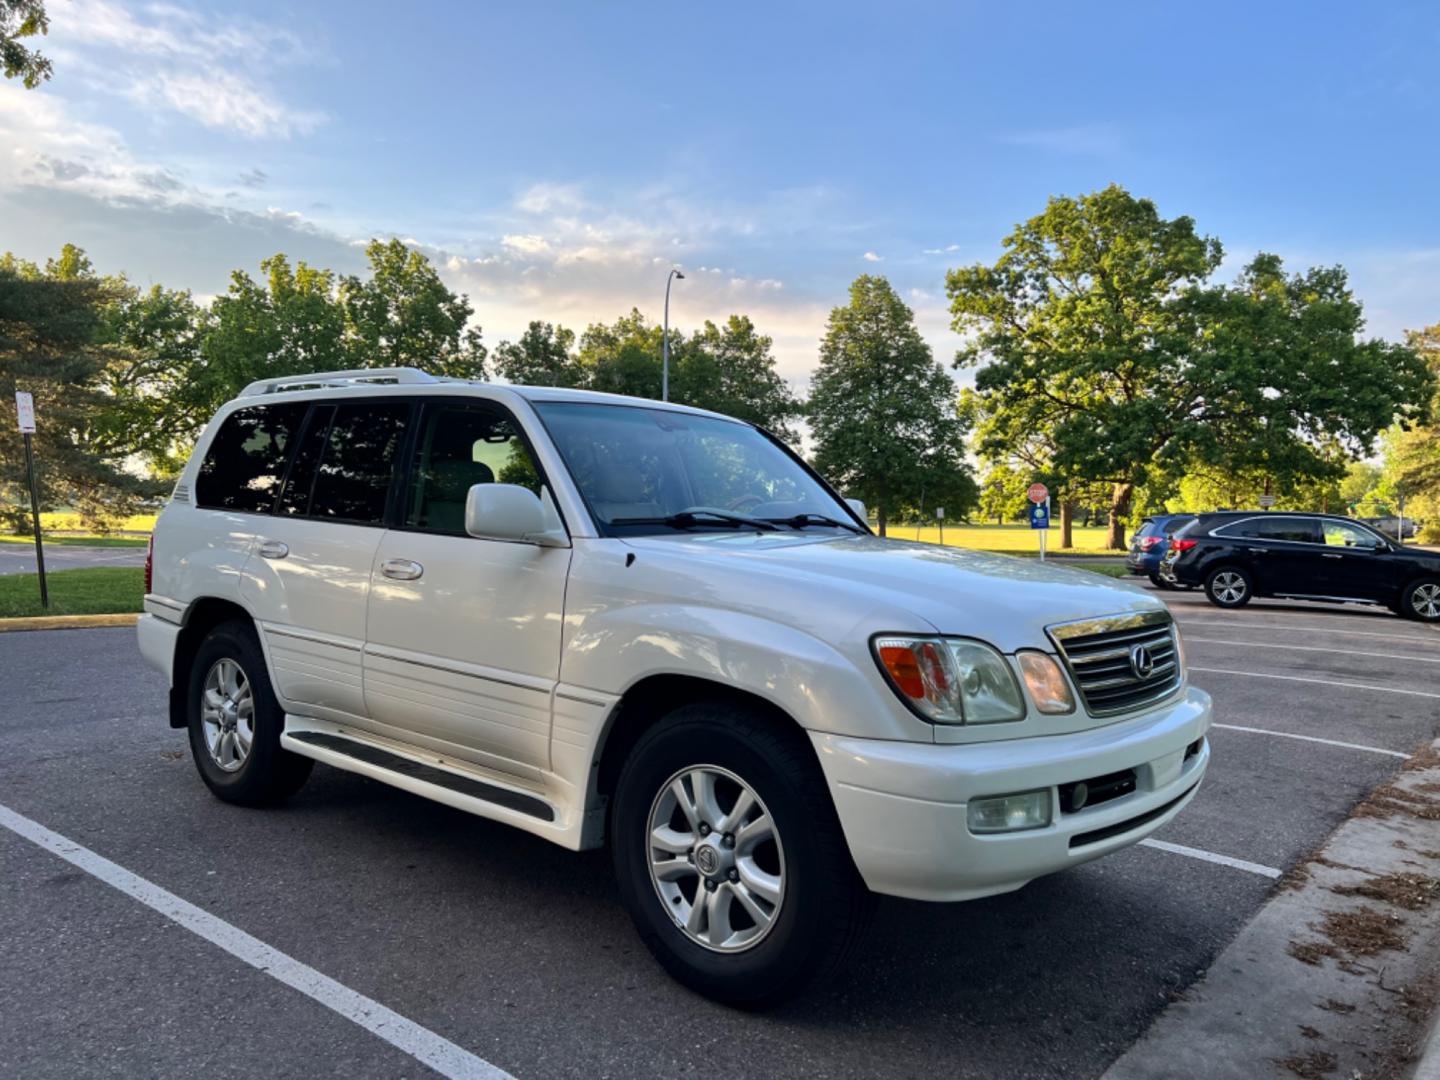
point(339, 378)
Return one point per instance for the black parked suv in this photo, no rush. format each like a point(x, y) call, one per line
point(1240, 554)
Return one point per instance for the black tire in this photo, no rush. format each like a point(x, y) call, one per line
point(1421, 600)
point(1159, 582)
point(824, 907)
point(268, 774)
point(1229, 586)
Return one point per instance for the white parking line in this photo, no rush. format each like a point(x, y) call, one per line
point(1318, 682)
point(1312, 738)
point(1211, 857)
point(1309, 648)
point(1249, 625)
point(420, 1043)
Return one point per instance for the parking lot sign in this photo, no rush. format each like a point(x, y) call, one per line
point(1038, 493)
point(1040, 516)
point(25, 414)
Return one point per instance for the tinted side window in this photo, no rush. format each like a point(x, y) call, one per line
point(1148, 527)
point(352, 481)
point(1174, 525)
point(245, 463)
point(1303, 530)
point(461, 445)
point(295, 499)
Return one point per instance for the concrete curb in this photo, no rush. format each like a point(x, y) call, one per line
point(67, 622)
point(1294, 994)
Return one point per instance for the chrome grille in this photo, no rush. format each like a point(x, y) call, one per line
point(1103, 660)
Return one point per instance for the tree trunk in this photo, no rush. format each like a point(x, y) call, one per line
point(1119, 510)
point(1067, 519)
point(880, 517)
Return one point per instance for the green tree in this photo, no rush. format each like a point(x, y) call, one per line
point(22, 19)
point(403, 315)
point(1412, 454)
point(1002, 493)
point(544, 356)
point(1098, 327)
point(883, 412)
point(1360, 480)
point(50, 345)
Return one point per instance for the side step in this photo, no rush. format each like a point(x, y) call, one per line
point(415, 772)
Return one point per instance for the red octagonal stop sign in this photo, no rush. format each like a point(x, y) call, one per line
point(1038, 493)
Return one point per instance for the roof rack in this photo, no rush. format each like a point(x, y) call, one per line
point(339, 378)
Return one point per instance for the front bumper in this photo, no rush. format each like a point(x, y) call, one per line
point(903, 805)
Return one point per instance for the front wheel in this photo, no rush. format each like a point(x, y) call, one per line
point(1229, 587)
point(1421, 600)
point(730, 857)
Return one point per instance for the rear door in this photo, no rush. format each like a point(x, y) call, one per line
point(309, 579)
point(1283, 551)
point(463, 634)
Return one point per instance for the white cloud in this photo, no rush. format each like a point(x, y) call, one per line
point(946, 250)
point(870, 256)
point(198, 66)
point(1102, 140)
point(526, 244)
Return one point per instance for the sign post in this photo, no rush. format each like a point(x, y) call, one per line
point(1039, 496)
point(25, 413)
point(940, 517)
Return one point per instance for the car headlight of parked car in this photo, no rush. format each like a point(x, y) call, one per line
point(951, 680)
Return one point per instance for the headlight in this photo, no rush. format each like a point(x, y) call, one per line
point(951, 680)
point(1048, 687)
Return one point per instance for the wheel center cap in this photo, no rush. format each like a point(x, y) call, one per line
point(707, 860)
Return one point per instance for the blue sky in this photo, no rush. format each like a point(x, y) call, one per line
point(555, 159)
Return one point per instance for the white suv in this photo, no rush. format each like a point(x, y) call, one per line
point(613, 621)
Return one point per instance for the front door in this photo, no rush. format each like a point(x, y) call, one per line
point(309, 576)
point(1353, 565)
point(463, 635)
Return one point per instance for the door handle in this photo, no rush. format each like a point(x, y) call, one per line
point(1257, 551)
point(401, 569)
point(273, 549)
point(1328, 555)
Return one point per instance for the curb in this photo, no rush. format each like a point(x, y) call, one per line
point(1428, 1067)
point(67, 622)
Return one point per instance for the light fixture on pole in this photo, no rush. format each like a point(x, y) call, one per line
point(665, 340)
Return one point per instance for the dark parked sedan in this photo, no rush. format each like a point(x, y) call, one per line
point(1150, 543)
point(1237, 555)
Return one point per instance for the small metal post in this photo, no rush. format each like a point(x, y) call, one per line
point(35, 517)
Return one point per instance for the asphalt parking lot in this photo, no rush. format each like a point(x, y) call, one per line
point(519, 953)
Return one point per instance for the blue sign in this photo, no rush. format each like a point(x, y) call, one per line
point(1039, 516)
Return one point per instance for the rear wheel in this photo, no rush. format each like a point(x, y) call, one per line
point(1159, 582)
point(235, 721)
point(730, 858)
point(1229, 587)
point(1421, 600)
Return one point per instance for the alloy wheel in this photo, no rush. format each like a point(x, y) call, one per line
point(1229, 587)
point(227, 714)
point(715, 858)
point(1425, 599)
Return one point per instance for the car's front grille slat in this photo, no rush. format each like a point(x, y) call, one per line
point(1101, 655)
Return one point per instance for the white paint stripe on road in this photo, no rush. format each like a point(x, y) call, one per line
point(420, 1043)
point(1318, 682)
point(1186, 620)
point(1308, 648)
point(1211, 857)
point(1312, 738)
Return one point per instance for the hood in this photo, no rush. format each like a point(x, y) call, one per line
point(1003, 599)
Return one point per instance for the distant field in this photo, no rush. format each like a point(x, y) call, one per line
point(60, 521)
point(102, 590)
point(1020, 539)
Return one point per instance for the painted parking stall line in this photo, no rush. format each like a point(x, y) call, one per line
point(424, 1045)
point(1211, 857)
point(1190, 640)
point(1318, 682)
point(1313, 739)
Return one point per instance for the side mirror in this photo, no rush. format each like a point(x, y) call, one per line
point(859, 508)
point(514, 513)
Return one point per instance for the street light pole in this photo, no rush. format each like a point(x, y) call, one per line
point(665, 340)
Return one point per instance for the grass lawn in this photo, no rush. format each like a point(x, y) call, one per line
point(80, 541)
point(61, 521)
point(101, 590)
point(1012, 539)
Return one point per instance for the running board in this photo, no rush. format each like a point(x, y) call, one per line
point(405, 772)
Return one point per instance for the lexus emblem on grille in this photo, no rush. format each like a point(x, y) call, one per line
point(1141, 662)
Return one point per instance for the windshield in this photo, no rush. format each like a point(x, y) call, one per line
point(655, 470)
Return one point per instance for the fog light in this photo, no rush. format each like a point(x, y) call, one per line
point(1010, 813)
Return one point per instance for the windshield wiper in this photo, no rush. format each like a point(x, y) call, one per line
point(799, 521)
point(686, 519)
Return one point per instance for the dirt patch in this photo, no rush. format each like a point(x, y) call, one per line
point(1311, 1066)
point(1409, 891)
point(1431, 787)
point(1427, 757)
point(1310, 1032)
point(1331, 1005)
point(1352, 934)
point(1389, 800)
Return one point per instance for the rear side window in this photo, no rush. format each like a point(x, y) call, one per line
point(1296, 529)
point(1174, 525)
point(357, 465)
point(1148, 527)
point(245, 462)
point(295, 499)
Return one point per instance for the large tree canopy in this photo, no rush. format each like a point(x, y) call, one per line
point(883, 410)
point(22, 19)
point(1098, 329)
